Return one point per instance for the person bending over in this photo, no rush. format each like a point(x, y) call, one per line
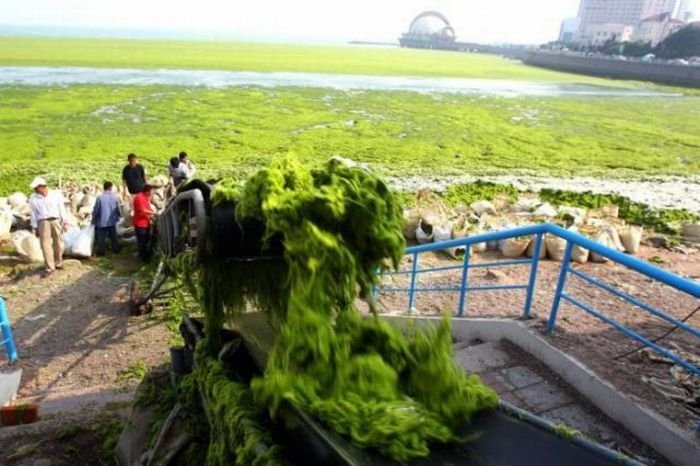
point(178, 171)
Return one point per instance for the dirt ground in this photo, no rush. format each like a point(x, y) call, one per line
point(579, 334)
point(75, 439)
point(73, 330)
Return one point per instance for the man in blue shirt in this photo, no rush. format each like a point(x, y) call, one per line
point(105, 216)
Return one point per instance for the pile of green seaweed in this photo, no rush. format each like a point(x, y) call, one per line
point(340, 225)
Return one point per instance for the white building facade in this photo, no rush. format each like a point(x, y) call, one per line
point(656, 28)
point(603, 20)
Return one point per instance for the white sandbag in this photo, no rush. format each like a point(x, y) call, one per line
point(85, 211)
point(577, 215)
point(30, 248)
point(158, 181)
point(124, 232)
point(514, 247)
point(610, 210)
point(545, 210)
point(431, 216)
point(462, 227)
point(22, 210)
point(82, 246)
point(71, 219)
point(483, 207)
point(17, 238)
point(524, 205)
point(75, 201)
point(614, 237)
point(457, 252)
point(127, 217)
point(442, 234)
point(460, 232)
point(530, 251)
point(501, 203)
point(69, 238)
point(88, 201)
point(445, 234)
point(578, 253)
point(411, 221)
point(604, 239)
point(6, 220)
point(555, 247)
point(479, 247)
point(573, 211)
point(17, 199)
point(691, 230)
point(631, 238)
point(422, 236)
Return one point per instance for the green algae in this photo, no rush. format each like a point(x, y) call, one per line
point(64, 132)
point(236, 428)
point(394, 392)
point(368, 381)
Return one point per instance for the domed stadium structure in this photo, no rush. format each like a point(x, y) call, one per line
point(430, 30)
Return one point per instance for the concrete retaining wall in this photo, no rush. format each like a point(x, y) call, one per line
point(597, 66)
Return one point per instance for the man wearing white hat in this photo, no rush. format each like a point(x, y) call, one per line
point(48, 219)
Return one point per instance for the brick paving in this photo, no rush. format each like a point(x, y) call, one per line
point(542, 393)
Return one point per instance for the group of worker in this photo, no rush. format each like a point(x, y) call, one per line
point(49, 220)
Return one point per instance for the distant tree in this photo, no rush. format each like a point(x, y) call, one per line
point(636, 49)
point(681, 44)
point(628, 49)
point(610, 47)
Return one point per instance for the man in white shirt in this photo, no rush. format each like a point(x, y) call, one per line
point(48, 218)
point(189, 166)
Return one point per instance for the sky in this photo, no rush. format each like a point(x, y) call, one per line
point(487, 21)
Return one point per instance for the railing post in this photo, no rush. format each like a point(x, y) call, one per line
point(533, 276)
point(7, 333)
point(373, 289)
point(560, 286)
point(463, 287)
point(412, 291)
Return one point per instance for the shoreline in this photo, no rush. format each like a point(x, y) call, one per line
point(658, 192)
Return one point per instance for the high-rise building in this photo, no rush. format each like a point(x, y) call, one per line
point(684, 12)
point(603, 20)
point(569, 30)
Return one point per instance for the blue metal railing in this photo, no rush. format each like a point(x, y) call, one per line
point(6, 333)
point(573, 239)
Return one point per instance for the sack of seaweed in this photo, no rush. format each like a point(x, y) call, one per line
point(385, 389)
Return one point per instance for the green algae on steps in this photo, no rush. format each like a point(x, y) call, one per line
point(393, 392)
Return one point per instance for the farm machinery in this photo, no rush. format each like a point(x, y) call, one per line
point(209, 232)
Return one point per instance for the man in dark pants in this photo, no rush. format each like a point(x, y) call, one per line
point(105, 216)
point(133, 175)
point(142, 222)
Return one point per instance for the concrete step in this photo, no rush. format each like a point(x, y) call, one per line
point(52, 402)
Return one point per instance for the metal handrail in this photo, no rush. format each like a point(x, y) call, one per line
point(572, 238)
point(6, 333)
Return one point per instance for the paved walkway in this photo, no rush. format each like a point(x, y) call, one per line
point(534, 388)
